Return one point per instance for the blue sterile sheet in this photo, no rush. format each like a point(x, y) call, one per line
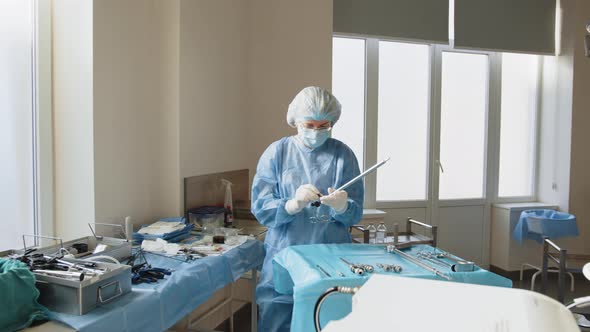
point(158, 306)
point(175, 236)
point(295, 272)
point(534, 224)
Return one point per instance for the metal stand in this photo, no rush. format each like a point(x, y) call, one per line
point(402, 239)
point(561, 262)
point(539, 270)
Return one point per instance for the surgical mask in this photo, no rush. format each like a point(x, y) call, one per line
point(314, 138)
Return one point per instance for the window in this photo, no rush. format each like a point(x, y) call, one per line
point(517, 128)
point(463, 125)
point(403, 107)
point(348, 85)
point(17, 195)
point(434, 110)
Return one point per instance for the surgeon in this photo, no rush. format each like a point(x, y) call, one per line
point(293, 173)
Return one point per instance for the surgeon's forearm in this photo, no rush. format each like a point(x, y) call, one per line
point(352, 215)
point(271, 212)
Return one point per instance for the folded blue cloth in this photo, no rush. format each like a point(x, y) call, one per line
point(534, 224)
point(175, 236)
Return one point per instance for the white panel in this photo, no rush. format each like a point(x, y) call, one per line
point(500, 234)
point(16, 122)
point(348, 86)
point(460, 231)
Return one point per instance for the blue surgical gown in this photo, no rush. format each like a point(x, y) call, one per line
point(284, 166)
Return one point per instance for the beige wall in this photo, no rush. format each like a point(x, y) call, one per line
point(580, 154)
point(290, 47)
point(72, 117)
point(213, 86)
point(167, 161)
point(564, 161)
point(238, 75)
point(176, 88)
point(129, 107)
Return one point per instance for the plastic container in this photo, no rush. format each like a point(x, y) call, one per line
point(381, 232)
point(207, 218)
point(372, 233)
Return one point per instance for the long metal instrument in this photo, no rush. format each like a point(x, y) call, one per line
point(435, 261)
point(460, 266)
point(363, 174)
point(357, 178)
point(393, 249)
point(63, 274)
point(322, 269)
point(80, 267)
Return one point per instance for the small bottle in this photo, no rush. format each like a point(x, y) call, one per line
point(372, 233)
point(129, 228)
point(381, 232)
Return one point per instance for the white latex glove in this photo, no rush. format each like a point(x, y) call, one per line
point(338, 200)
point(304, 194)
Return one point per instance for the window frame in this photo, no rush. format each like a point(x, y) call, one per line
point(44, 213)
point(492, 135)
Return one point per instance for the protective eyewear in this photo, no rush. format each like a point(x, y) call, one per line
point(326, 127)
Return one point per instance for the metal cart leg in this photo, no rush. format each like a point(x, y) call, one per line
point(572, 281)
point(544, 267)
point(533, 279)
point(254, 323)
point(561, 275)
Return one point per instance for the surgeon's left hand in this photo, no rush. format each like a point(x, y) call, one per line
point(337, 199)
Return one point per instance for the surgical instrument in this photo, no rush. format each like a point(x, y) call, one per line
point(390, 267)
point(322, 269)
point(367, 267)
point(63, 274)
point(395, 250)
point(322, 298)
point(359, 177)
point(432, 260)
point(356, 269)
point(87, 267)
point(461, 266)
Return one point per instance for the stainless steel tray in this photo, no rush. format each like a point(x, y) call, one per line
point(119, 249)
point(79, 297)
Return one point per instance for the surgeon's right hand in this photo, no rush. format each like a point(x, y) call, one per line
point(304, 194)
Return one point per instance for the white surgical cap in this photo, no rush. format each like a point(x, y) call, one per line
point(313, 103)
